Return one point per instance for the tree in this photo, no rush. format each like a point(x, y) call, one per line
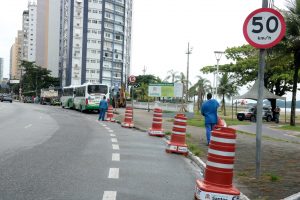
point(201, 87)
point(226, 89)
point(35, 78)
point(292, 18)
point(277, 79)
point(173, 75)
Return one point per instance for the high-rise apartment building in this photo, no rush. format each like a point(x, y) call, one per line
point(48, 35)
point(16, 57)
point(1, 69)
point(95, 41)
point(29, 32)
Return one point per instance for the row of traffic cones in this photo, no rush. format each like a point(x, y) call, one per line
point(217, 183)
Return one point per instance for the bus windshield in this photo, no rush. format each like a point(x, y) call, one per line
point(102, 89)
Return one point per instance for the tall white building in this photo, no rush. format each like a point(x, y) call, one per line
point(29, 32)
point(95, 41)
point(48, 35)
point(1, 69)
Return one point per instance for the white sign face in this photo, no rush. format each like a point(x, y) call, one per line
point(14, 81)
point(214, 196)
point(264, 28)
point(132, 79)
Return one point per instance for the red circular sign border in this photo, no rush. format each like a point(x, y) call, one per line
point(281, 35)
point(130, 79)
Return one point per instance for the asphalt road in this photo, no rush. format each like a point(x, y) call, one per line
point(49, 153)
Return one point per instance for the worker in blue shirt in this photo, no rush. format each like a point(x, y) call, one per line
point(103, 105)
point(209, 110)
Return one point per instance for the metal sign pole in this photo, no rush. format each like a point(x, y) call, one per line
point(261, 70)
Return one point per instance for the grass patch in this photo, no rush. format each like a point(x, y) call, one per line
point(290, 128)
point(168, 133)
point(233, 122)
point(195, 149)
point(166, 111)
point(273, 177)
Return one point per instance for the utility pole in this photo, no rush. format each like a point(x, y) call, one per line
point(261, 71)
point(144, 70)
point(189, 51)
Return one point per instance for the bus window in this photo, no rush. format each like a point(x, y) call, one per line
point(102, 89)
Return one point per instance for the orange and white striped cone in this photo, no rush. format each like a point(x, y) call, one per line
point(110, 114)
point(128, 120)
point(177, 142)
point(219, 167)
point(156, 129)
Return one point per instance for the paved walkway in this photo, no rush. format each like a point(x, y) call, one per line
point(276, 145)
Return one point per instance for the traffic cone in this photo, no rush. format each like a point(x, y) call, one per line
point(177, 142)
point(221, 122)
point(110, 114)
point(128, 120)
point(219, 167)
point(156, 129)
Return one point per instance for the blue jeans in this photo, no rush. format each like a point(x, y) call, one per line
point(102, 114)
point(208, 128)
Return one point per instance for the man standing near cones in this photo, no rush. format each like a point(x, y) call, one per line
point(103, 105)
point(209, 110)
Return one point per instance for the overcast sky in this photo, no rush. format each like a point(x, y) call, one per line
point(161, 32)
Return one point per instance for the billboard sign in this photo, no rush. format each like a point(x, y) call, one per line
point(165, 90)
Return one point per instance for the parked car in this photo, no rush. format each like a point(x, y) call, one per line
point(6, 97)
point(249, 114)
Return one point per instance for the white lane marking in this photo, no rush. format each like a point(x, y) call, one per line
point(115, 157)
point(111, 131)
point(113, 173)
point(115, 147)
point(103, 125)
point(107, 128)
point(28, 126)
point(109, 195)
point(112, 135)
point(114, 140)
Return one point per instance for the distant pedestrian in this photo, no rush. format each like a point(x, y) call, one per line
point(276, 114)
point(103, 105)
point(209, 110)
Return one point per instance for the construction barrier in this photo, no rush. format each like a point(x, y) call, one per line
point(110, 114)
point(156, 129)
point(177, 142)
point(128, 120)
point(218, 176)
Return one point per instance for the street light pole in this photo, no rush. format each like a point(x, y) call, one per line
point(218, 55)
point(189, 51)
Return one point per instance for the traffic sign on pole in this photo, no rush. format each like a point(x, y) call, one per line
point(264, 28)
point(132, 79)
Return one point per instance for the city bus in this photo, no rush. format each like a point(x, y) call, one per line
point(88, 96)
point(66, 100)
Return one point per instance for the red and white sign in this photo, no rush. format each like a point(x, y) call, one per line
point(132, 79)
point(264, 28)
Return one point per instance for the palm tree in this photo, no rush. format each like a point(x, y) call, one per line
point(202, 87)
point(226, 89)
point(292, 18)
point(173, 75)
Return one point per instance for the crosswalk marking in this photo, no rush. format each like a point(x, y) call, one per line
point(114, 140)
point(115, 147)
point(113, 173)
point(109, 195)
point(112, 135)
point(115, 157)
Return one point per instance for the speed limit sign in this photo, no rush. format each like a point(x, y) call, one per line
point(264, 28)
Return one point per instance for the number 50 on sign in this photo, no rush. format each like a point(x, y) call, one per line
point(264, 28)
